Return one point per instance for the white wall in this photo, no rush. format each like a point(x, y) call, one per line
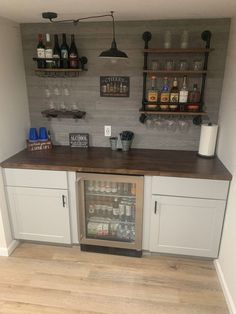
point(227, 153)
point(14, 114)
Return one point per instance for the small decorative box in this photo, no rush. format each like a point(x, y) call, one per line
point(36, 146)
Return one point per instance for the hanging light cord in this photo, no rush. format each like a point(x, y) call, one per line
point(76, 21)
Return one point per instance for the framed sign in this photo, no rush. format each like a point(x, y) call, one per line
point(79, 140)
point(114, 86)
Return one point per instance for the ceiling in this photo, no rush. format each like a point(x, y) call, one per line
point(26, 11)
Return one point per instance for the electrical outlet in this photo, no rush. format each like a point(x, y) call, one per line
point(107, 130)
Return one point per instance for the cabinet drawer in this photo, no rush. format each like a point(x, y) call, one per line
point(36, 178)
point(212, 189)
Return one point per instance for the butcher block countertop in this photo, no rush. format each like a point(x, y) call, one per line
point(135, 162)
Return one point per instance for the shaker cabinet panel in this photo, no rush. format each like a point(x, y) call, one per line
point(39, 214)
point(189, 226)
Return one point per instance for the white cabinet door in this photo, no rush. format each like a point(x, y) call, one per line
point(189, 226)
point(40, 214)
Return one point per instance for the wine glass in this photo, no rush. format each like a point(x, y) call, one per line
point(183, 125)
point(149, 123)
point(171, 125)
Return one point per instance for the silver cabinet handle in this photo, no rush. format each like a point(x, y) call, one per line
point(63, 200)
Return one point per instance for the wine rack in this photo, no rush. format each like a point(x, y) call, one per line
point(197, 115)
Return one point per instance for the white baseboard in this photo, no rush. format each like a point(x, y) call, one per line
point(224, 286)
point(7, 251)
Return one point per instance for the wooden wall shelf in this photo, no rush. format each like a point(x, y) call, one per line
point(64, 114)
point(175, 72)
point(174, 113)
point(183, 51)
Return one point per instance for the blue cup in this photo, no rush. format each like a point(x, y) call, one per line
point(33, 135)
point(43, 134)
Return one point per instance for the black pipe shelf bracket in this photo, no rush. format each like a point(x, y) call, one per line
point(197, 116)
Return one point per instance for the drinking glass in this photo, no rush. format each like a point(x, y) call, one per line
point(169, 65)
point(183, 65)
point(167, 39)
point(184, 39)
point(197, 65)
point(155, 66)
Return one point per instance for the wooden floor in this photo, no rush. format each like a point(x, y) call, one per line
point(40, 279)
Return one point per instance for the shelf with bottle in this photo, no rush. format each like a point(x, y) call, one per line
point(175, 72)
point(178, 50)
point(175, 101)
point(58, 61)
point(111, 195)
point(111, 230)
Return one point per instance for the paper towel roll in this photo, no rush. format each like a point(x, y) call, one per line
point(207, 142)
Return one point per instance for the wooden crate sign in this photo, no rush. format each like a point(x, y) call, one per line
point(79, 140)
point(37, 146)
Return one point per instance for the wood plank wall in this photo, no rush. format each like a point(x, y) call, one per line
point(122, 114)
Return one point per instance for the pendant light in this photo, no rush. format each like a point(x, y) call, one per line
point(113, 53)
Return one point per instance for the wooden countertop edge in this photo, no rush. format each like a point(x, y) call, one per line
point(227, 177)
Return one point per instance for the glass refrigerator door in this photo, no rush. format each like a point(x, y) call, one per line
point(110, 209)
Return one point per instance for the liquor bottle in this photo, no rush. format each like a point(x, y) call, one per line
point(116, 209)
point(56, 52)
point(152, 94)
point(174, 96)
point(64, 52)
point(165, 95)
point(194, 95)
point(183, 94)
point(48, 51)
point(40, 52)
point(73, 54)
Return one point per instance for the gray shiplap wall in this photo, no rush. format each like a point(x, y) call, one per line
point(121, 114)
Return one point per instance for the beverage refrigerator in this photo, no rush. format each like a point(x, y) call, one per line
point(110, 213)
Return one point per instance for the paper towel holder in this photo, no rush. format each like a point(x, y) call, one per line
point(213, 140)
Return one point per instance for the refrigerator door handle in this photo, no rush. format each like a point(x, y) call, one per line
point(156, 207)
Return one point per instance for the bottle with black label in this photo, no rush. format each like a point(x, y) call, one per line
point(73, 54)
point(48, 51)
point(56, 52)
point(174, 96)
point(40, 52)
point(64, 52)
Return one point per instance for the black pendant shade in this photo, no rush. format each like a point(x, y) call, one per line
point(113, 52)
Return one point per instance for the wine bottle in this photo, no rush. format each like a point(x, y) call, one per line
point(64, 52)
point(48, 51)
point(183, 94)
point(40, 52)
point(73, 54)
point(174, 96)
point(56, 52)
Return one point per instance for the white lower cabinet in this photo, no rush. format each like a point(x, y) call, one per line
point(189, 226)
point(40, 214)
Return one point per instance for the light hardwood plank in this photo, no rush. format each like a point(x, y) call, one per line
point(55, 280)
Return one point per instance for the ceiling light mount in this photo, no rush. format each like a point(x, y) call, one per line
point(113, 52)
